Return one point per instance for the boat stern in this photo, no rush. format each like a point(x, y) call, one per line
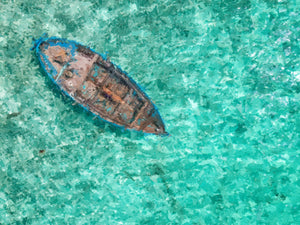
point(153, 124)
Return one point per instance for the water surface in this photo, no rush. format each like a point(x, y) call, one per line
point(225, 76)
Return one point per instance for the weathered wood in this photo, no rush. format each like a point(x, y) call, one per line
point(98, 85)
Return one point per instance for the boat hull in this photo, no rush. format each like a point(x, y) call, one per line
point(98, 85)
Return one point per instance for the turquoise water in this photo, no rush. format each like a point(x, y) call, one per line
point(225, 76)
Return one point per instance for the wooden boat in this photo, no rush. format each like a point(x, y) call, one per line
point(98, 85)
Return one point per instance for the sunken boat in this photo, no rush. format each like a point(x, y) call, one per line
point(98, 85)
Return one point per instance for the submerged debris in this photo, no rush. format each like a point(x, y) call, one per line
point(12, 115)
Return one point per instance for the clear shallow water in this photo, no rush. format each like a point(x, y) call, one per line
point(225, 77)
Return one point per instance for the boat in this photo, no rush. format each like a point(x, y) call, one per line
point(98, 85)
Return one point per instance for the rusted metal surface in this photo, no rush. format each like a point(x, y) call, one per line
point(98, 85)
